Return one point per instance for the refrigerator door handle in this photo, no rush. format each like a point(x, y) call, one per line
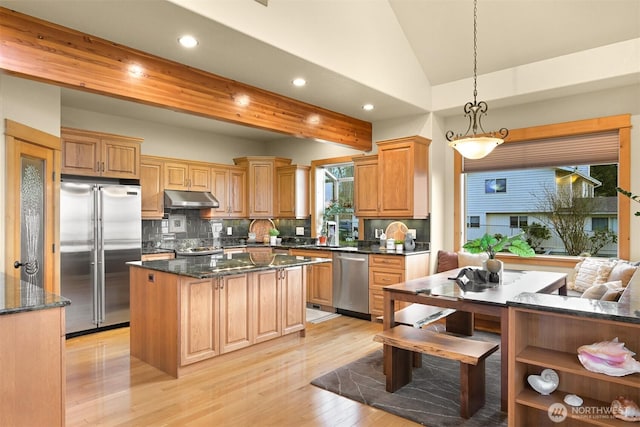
point(95, 256)
point(100, 291)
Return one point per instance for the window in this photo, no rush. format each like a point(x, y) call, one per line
point(518, 221)
point(495, 185)
point(339, 223)
point(473, 221)
point(599, 224)
point(591, 144)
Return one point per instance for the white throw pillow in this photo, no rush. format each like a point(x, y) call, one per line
point(465, 259)
point(609, 291)
point(591, 271)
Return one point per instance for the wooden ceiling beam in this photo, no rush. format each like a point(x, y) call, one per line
point(47, 52)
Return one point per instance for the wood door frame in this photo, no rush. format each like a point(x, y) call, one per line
point(16, 133)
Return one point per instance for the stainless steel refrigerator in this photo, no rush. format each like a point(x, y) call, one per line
point(100, 230)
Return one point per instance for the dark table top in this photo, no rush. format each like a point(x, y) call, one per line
point(514, 282)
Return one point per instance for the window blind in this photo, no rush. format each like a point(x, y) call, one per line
point(587, 149)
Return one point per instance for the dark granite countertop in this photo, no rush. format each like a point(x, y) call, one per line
point(627, 310)
point(203, 267)
point(20, 296)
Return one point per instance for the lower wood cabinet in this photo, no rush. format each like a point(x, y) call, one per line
point(197, 319)
point(385, 270)
point(267, 306)
point(32, 355)
point(155, 257)
point(294, 291)
point(320, 277)
point(199, 331)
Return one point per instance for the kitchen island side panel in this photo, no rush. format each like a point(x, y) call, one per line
point(154, 325)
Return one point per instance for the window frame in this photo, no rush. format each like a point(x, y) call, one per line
point(621, 123)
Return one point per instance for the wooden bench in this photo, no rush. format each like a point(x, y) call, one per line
point(405, 340)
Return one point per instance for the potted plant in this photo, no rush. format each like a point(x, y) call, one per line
point(492, 244)
point(273, 236)
point(399, 245)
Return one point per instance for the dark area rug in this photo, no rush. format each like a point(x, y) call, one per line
point(431, 399)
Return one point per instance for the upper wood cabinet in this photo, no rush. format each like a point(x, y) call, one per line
point(292, 191)
point(261, 188)
point(229, 186)
point(365, 178)
point(152, 202)
point(403, 190)
point(394, 183)
point(189, 176)
point(89, 153)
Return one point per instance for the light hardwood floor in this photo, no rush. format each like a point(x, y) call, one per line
point(269, 386)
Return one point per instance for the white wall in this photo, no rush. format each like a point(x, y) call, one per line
point(303, 151)
point(32, 104)
point(167, 141)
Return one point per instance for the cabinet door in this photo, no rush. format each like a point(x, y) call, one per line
point(235, 313)
point(261, 190)
point(219, 188)
point(320, 284)
point(286, 182)
point(293, 299)
point(120, 159)
point(238, 193)
point(80, 154)
point(366, 187)
point(267, 305)
point(199, 178)
point(292, 193)
point(198, 319)
point(176, 176)
point(396, 180)
point(151, 186)
point(403, 184)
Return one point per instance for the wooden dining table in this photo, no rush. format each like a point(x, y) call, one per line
point(442, 290)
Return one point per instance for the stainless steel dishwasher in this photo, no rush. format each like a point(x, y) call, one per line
point(351, 282)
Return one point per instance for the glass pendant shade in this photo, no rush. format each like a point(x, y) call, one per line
point(475, 147)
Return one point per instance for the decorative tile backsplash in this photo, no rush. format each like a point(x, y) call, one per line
point(156, 232)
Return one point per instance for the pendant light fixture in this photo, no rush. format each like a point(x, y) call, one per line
point(474, 145)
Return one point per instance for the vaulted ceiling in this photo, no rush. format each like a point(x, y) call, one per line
point(392, 53)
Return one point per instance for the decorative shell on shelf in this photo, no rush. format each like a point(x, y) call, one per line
point(545, 383)
point(608, 357)
point(573, 400)
point(625, 409)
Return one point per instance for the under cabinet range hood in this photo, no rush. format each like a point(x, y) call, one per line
point(175, 199)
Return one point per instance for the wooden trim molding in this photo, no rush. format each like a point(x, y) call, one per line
point(47, 52)
point(621, 122)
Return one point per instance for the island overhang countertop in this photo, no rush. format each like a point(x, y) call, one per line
point(203, 267)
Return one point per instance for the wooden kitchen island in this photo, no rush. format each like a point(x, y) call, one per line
point(185, 312)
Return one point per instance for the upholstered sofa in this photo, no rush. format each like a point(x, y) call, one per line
point(602, 278)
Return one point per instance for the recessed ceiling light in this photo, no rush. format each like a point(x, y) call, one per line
point(299, 81)
point(368, 107)
point(188, 41)
point(136, 71)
